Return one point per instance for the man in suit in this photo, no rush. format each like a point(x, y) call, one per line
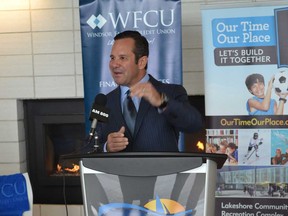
point(163, 110)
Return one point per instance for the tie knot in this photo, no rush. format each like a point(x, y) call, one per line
point(128, 95)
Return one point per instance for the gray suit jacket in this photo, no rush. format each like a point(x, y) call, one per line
point(154, 131)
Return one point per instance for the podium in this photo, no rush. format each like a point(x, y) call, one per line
point(149, 183)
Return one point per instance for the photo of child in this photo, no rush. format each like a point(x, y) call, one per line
point(261, 103)
point(279, 158)
point(279, 147)
point(232, 153)
point(254, 143)
point(254, 147)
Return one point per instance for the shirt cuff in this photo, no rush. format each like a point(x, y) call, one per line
point(105, 147)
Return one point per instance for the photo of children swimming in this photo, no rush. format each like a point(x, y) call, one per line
point(279, 158)
point(279, 147)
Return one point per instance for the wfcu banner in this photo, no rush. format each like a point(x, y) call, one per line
point(246, 85)
point(159, 21)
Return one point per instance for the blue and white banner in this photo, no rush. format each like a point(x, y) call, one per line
point(246, 88)
point(159, 21)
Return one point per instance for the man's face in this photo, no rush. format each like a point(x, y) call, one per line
point(122, 63)
point(258, 89)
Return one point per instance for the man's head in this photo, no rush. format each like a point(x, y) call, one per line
point(255, 84)
point(141, 46)
point(129, 58)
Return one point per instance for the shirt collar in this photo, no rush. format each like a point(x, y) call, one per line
point(136, 100)
point(124, 89)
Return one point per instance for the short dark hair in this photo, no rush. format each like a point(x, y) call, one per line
point(252, 79)
point(141, 47)
point(232, 145)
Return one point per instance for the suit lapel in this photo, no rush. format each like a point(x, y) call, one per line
point(142, 112)
point(116, 108)
point(144, 107)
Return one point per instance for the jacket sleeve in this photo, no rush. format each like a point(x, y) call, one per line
point(180, 113)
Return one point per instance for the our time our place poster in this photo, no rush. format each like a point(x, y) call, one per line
point(246, 92)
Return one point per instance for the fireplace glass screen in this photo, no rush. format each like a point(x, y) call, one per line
point(54, 127)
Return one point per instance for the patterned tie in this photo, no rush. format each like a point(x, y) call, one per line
point(129, 112)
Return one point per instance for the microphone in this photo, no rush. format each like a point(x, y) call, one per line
point(98, 113)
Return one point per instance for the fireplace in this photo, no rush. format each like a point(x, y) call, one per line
point(57, 126)
point(54, 127)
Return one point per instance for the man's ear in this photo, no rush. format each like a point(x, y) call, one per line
point(142, 62)
point(250, 92)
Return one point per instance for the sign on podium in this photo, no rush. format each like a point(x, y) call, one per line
point(149, 183)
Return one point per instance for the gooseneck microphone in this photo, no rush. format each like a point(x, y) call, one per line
point(98, 113)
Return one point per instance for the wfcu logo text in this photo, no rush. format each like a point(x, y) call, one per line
point(151, 18)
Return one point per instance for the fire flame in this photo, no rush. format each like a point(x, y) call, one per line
point(75, 168)
point(200, 146)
